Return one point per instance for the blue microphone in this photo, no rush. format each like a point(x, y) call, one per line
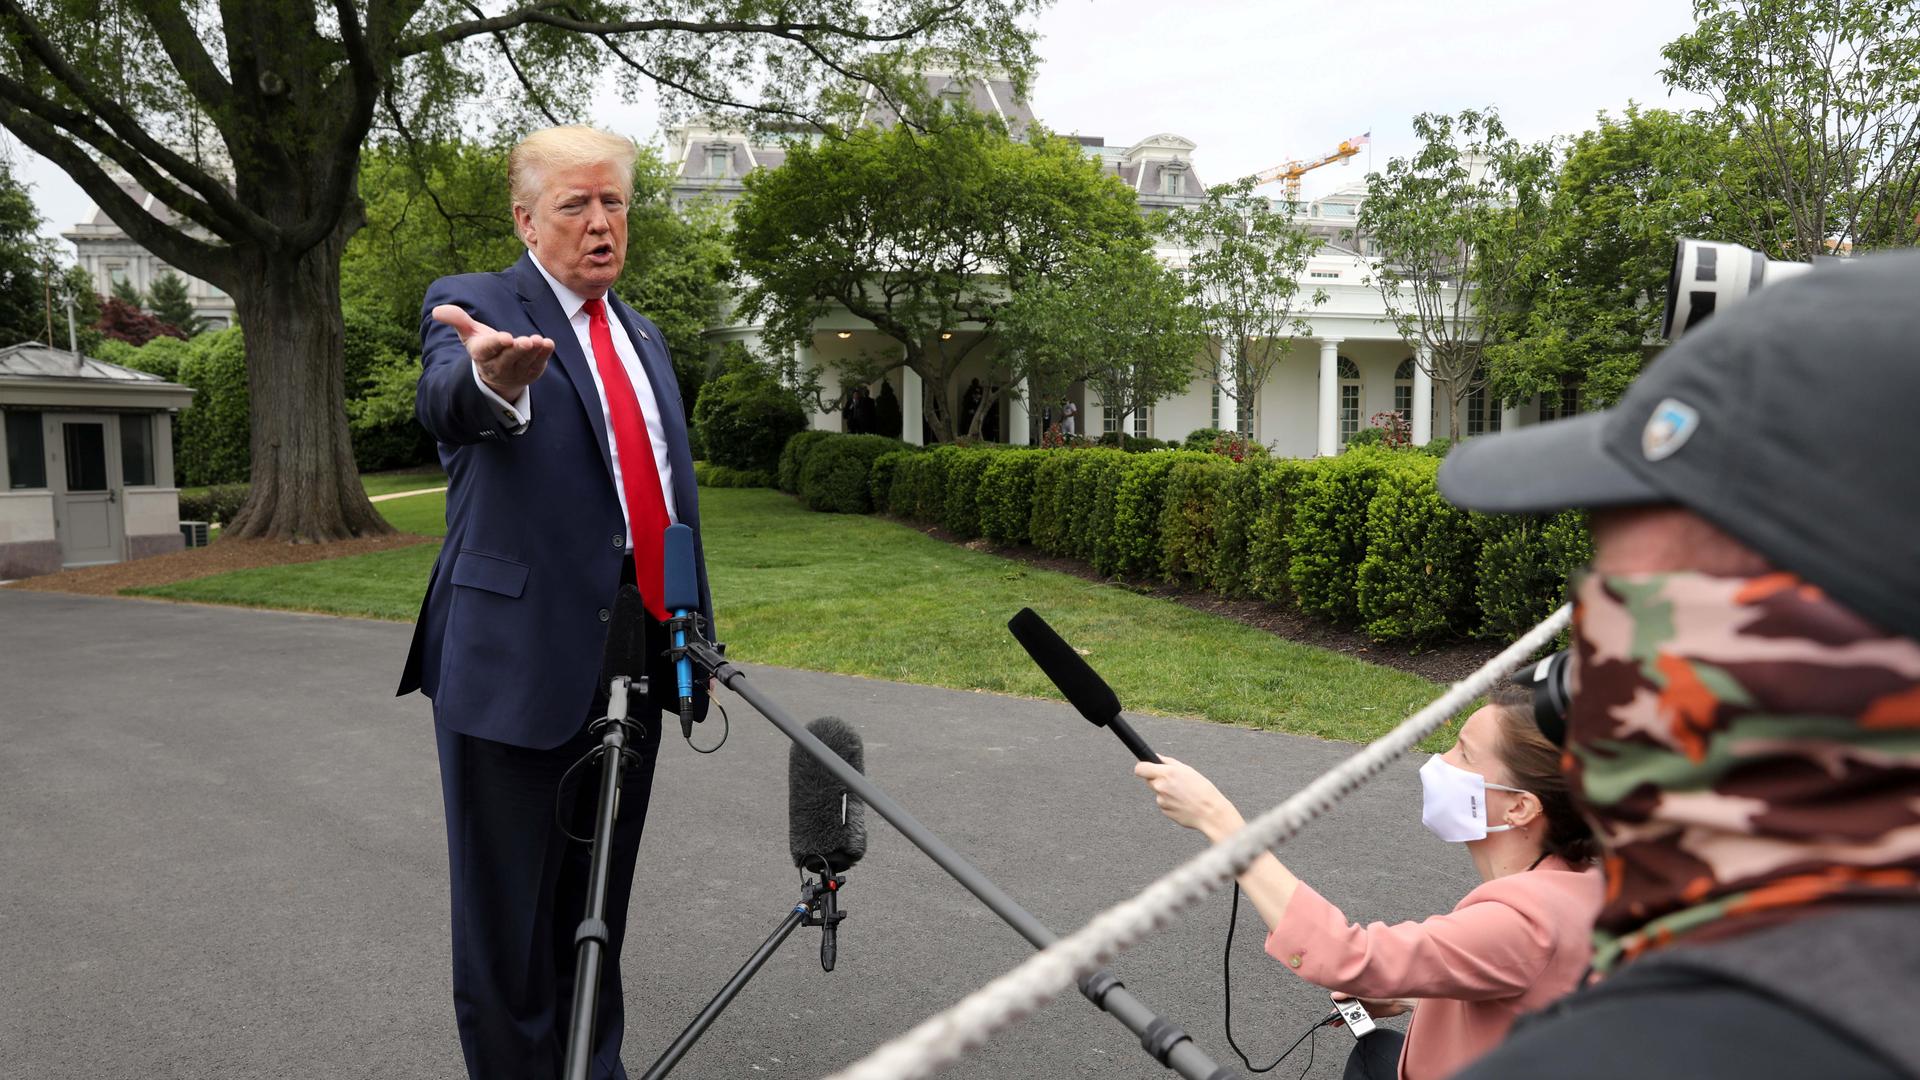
point(682, 599)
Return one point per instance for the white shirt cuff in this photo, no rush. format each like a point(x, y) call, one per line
point(514, 416)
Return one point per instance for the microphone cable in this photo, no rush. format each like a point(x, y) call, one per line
point(1226, 987)
point(726, 729)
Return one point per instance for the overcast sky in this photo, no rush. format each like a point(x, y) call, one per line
point(1258, 82)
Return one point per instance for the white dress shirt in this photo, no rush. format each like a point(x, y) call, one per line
point(518, 414)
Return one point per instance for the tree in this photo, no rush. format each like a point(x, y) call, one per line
point(170, 304)
point(245, 123)
point(124, 291)
point(928, 235)
point(121, 321)
point(1450, 227)
point(23, 267)
point(1120, 322)
point(1827, 92)
point(1245, 259)
point(1595, 283)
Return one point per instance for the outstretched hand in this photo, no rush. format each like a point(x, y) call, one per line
point(507, 364)
point(1189, 798)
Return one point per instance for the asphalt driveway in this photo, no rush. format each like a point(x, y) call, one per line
point(222, 855)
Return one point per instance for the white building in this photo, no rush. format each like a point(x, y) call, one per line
point(1352, 366)
point(113, 257)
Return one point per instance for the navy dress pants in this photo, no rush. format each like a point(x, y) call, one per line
point(519, 890)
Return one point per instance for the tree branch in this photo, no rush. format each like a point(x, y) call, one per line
point(344, 161)
point(128, 129)
point(208, 262)
point(181, 41)
point(548, 14)
point(500, 37)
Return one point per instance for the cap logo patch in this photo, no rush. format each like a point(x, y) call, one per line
point(1673, 422)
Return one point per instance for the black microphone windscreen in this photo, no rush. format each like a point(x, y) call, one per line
point(626, 649)
point(682, 584)
point(1087, 691)
point(825, 821)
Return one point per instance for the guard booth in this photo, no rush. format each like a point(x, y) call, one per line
point(87, 477)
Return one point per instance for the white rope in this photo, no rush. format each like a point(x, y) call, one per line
point(944, 1039)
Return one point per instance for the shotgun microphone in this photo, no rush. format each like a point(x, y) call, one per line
point(1084, 689)
point(826, 823)
point(681, 598)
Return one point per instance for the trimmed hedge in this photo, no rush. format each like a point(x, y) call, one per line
point(1363, 539)
point(835, 474)
point(793, 456)
point(215, 504)
point(707, 474)
point(744, 419)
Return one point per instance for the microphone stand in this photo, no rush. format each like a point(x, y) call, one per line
point(1165, 1041)
point(616, 730)
point(816, 907)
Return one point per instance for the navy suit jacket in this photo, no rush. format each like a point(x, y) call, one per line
point(510, 636)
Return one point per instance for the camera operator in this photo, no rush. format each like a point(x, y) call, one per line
point(1744, 719)
point(1515, 943)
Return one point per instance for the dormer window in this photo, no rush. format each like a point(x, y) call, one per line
point(719, 160)
point(1173, 178)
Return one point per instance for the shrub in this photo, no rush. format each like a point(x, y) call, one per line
point(1133, 545)
point(1367, 436)
point(1087, 503)
point(931, 506)
point(380, 420)
point(217, 503)
point(1202, 438)
point(880, 477)
point(793, 457)
point(161, 356)
point(1269, 500)
point(1052, 480)
point(215, 431)
point(1523, 568)
point(1190, 517)
point(964, 469)
point(1435, 448)
point(836, 477)
point(1327, 533)
point(1416, 579)
point(909, 475)
point(1133, 444)
point(1006, 495)
point(745, 418)
point(707, 474)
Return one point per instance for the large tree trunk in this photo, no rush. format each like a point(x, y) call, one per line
point(306, 488)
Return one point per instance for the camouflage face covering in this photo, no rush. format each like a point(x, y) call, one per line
point(1741, 745)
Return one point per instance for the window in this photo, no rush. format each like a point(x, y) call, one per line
point(116, 273)
point(1349, 399)
point(1215, 421)
point(1403, 391)
point(1565, 402)
point(1142, 423)
point(1483, 413)
point(26, 451)
point(719, 161)
point(136, 449)
point(1324, 275)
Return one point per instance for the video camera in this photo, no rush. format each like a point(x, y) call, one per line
point(1707, 276)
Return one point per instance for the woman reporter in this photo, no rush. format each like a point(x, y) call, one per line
point(1515, 943)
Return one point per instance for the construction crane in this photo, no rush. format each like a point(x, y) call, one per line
point(1292, 171)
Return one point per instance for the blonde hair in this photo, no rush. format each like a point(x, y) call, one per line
point(566, 147)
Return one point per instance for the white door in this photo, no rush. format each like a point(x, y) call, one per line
point(85, 458)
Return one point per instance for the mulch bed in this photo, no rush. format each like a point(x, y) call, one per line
point(1442, 663)
point(216, 558)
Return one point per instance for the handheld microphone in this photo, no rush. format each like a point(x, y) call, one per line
point(826, 823)
point(1084, 689)
point(681, 597)
point(626, 647)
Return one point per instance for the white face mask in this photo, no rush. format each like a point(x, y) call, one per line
point(1453, 802)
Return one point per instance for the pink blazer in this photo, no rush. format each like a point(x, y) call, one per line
point(1512, 946)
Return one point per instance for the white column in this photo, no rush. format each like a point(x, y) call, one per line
point(1329, 397)
point(910, 422)
point(1017, 414)
point(1422, 397)
point(1509, 417)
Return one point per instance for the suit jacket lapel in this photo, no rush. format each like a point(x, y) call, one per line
point(544, 308)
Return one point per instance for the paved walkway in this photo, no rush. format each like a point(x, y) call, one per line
point(406, 494)
point(223, 857)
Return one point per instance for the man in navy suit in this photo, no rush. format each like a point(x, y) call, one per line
point(547, 515)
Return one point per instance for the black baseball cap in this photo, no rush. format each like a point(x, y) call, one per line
point(1791, 420)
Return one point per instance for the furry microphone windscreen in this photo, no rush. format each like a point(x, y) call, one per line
point(824, 819)
point(626, 648)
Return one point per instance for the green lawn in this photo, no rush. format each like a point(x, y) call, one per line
point(863, 596)
point(382, 483)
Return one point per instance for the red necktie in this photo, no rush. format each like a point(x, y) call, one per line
point(647, 519)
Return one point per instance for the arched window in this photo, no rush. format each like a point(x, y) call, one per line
point(1349, 399)
point(1403, 390)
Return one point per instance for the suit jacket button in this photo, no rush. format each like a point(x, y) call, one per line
point(619, 541)
point(605, 614)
